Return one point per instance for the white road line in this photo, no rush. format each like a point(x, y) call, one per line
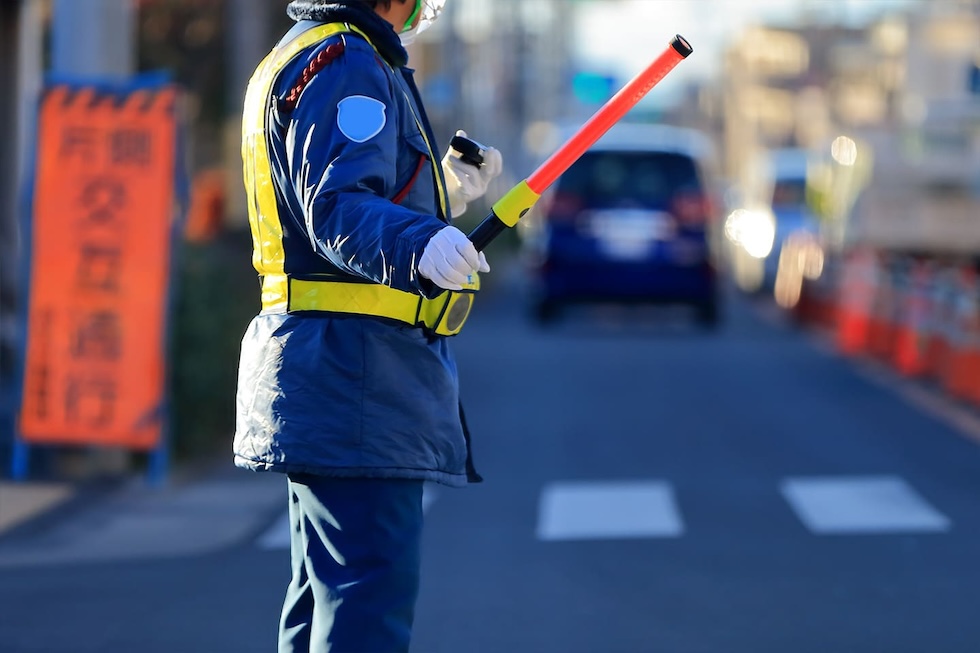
point(429, 494)
point(850, 505)
point(277, 535)
point(608, 510)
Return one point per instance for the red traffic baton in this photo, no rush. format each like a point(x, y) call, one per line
point(522, 197)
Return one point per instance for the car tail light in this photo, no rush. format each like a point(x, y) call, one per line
point(692, 209)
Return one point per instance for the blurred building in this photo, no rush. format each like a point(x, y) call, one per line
point(924, 194)
point(900, 93)
point(779, 87)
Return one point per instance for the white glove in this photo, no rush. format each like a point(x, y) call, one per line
point(466, 182)
point(449, 258)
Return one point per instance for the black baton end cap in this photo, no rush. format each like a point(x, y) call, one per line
point(680, 44)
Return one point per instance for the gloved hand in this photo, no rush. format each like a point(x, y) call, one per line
point(449, 258)
point(466, 182)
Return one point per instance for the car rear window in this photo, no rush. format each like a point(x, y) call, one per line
point(612, 179)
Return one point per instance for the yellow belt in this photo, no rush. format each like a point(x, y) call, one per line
point(444, 314)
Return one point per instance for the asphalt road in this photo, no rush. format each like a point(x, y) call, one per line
point(650, 488)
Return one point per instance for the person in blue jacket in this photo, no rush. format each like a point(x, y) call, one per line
point(346, 380)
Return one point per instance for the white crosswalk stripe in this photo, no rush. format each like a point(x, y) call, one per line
point(277, 535)
point(648, 509)
point(608, 510)
point(861, 504)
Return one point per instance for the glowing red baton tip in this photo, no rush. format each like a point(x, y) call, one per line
point(608, 115)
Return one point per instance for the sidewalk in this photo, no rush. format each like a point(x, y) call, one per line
point(199, 511)
point(23, 502)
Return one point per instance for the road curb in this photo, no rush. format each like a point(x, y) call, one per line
point(204, 508)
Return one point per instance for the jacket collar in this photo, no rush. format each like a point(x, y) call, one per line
point(378, 30)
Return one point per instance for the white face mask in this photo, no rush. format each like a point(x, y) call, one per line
point(429, 12)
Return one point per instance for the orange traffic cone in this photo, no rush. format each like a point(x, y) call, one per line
point(881, 328)
point(940, 319)
point(912, 331)
point(963, 367)
point(857, 291)
point(828, 297)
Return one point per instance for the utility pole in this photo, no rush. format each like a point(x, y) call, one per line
point(248, 42)
point(20, 70)
point(9, 22)
point(94, 38)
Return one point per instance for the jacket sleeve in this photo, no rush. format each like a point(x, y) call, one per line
point(343, 186)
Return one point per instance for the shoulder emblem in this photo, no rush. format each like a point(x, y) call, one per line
point(361, 118)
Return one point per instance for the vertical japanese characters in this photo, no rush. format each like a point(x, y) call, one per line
point(101, 224)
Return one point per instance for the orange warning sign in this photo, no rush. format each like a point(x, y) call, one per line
point(101, 224)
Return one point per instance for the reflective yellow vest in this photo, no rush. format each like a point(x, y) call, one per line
point(444, 314)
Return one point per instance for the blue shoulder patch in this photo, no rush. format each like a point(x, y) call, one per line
point(361, 118)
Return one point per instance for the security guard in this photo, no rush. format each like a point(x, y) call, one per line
point(346, 382)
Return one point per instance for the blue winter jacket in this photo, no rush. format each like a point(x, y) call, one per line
point(341, 395)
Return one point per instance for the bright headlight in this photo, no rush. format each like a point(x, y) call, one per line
point(753, 230)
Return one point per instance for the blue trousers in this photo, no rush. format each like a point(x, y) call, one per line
point(355, 550)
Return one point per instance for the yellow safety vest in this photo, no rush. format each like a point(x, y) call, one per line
point(443, 315)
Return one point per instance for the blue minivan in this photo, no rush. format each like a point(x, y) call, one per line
point(631, 221)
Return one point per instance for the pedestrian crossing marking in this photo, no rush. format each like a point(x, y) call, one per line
point(608, 510)
point(277, 535)
point(861, 505)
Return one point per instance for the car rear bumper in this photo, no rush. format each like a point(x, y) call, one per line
point(627, 282)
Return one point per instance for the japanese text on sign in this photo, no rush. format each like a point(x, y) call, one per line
point(103, 209)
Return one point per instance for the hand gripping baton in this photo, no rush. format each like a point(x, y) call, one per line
point(519, 199)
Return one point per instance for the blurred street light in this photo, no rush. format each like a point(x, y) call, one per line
point(890, 37)
point(844, 151)
point(752, 229)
